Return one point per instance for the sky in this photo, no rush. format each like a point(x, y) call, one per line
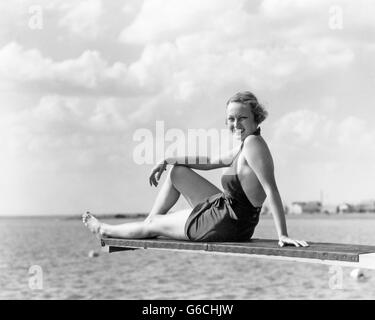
point(80, 79)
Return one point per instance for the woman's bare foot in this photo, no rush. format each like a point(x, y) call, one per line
point(93, 224)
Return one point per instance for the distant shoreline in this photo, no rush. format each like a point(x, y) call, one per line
point(78, 216)
point(356, 215)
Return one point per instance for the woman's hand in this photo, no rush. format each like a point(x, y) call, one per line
point(284, 240)
point(157, 170)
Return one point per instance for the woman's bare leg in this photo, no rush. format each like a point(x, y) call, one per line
point(171, 226)
point(180, 180)
point(166, 198)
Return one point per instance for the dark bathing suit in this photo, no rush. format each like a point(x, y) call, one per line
point(226, 216)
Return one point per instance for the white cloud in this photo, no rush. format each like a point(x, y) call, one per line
point(325, 53)
point(307, 128)
point(302, 128)
point(83, 18)
point(313, 152)
point(315, 138)
point(89, 72)
point(305, 11)
point(17, 65)
point(161, 20)
point(60, 126)
point(109, 116)
point(228, 47)
point(354, 133)
point(64, 152)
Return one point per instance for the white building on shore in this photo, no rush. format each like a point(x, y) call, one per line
point(300, 207)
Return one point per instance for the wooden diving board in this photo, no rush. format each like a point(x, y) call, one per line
point(358, 256)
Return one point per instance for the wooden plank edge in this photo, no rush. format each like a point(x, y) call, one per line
point(107, 248)
point(369, 263)
point(311, 253)
point(213, 247)
point(365, 260)
point(142, 244)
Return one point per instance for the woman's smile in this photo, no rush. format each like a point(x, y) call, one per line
point(240, 120)
point(238, 132)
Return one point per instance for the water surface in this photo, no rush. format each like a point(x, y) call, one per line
point(60, 247)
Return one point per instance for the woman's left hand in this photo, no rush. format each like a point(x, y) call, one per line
point(284, 240)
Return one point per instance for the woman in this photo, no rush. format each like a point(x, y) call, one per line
point(229, 215)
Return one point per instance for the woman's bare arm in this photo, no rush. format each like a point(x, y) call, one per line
point(203, 162)
point(199, 163)
point(260, 160)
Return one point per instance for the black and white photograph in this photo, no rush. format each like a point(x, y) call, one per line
point(187, 150)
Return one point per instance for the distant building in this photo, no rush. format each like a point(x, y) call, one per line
point(366, 206)
point(306, 207)
point(296, 208)
point(329, 209)
point(266, 210)
point(286, 209)
point(345, 208)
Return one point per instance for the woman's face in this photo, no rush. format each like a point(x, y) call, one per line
point(240, 120)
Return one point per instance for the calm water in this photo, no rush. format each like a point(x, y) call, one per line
point(60, 247)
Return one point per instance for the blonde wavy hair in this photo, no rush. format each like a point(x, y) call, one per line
point(248, 99)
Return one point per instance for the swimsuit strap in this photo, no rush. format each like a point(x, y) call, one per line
point(238, 153)
point(255, 133)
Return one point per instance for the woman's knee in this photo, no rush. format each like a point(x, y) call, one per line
point(171, 225)
point(178, 171)
point(149, 224)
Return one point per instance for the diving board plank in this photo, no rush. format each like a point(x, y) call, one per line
point(327, 253)
point(152, 244)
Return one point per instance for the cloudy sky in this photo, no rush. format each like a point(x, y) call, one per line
point(79, 78)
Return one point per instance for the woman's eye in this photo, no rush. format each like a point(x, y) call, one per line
point(238, 119)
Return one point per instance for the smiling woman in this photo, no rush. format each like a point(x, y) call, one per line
point(230, 214)
point(248, 99)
